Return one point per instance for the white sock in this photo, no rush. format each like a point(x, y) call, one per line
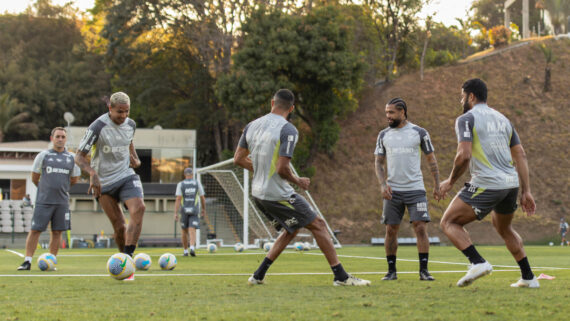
point(28, 259)
point(185, 251)
point(191, 247)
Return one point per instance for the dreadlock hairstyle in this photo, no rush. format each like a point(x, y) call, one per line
point(400, 104)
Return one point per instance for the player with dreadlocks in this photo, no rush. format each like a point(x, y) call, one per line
point(403, 185)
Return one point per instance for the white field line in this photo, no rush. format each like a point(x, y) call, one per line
point(17, 253)
point(227, 274)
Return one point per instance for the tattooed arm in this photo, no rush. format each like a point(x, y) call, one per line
point(432, 161)
point(385, 189)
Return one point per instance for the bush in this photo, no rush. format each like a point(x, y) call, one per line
point(499, 36)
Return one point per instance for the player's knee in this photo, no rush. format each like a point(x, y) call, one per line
point(318, 224)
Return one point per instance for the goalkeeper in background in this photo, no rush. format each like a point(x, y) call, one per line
point(266, 148)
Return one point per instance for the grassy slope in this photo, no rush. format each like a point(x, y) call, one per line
point(345, 186)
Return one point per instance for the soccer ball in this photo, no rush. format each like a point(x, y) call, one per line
point(267, 246)
point(120, 266)
point(167, 261)
point(47, 262)
point(299, 246)
point(238, 247)
point(212, 247)
point(307, 246)
point(142, 261)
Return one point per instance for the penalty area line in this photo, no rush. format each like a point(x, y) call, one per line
point(17, 253)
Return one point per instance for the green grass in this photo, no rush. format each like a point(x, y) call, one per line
point(182, 295)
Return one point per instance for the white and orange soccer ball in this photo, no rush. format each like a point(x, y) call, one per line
point(120, 266)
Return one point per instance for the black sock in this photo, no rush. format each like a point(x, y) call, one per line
point(423, 260)
point(391, 263)
point(130, 249)
point(262, 269)
point(339, 273)
point(473, 256)
point(525, 269)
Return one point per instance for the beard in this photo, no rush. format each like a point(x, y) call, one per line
point(395, 123)
point(466, 106)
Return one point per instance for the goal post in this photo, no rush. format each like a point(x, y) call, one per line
point(232, 216)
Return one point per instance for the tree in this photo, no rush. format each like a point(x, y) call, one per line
point(428, 35)
point(559, 11)
point(548, 57)
point(310, 55)
point(14, 121)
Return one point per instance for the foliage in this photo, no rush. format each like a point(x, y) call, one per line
point(14, 121)
point(491, 13)
point(559, 11)
point(46, 67)
point(310, 55)
point(499, 36)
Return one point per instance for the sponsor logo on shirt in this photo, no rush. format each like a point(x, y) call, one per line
point(57, 170)
point(118, 149)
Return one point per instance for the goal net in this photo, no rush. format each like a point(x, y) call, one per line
point(232, 216)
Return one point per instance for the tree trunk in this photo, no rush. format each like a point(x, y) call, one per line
point(218, 140)
point(423, 57)
point(547, 85)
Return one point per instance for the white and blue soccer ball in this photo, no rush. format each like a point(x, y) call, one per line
point(167, 261)
point(238, 247)
point(299, 246)
point(267, 246)
point(47, 262)
point(212, 247)
point(142, 261)
point(307, 246)
point(120, 266)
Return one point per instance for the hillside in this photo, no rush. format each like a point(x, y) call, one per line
point(345, 186)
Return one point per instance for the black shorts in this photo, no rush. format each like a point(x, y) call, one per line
point(291, 214)
point(125, 189)
point(57, 214)
point(416, 202)
point(483, 201)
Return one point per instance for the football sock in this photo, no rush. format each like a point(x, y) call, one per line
point(473, 256)
point(525, 269)
point(391, 263)
point(185, 251)
point(423, 260)
point(28, 259)
point(191, 247)
point(339, 272)
point(130, 249)
point(262, 269)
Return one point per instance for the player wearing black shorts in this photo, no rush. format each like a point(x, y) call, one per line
point(188, 192)
point(265, 148)
point(491, 148)
point(53, 172)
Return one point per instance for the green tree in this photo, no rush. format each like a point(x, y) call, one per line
point(310, 55)
point(14, 121)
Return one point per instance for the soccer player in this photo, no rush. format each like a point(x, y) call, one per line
point(109, 139)
point(563, 228)
point(187, 192)
point(490, 146)
point(53, 172)
point(266, 148)
point(400, 145)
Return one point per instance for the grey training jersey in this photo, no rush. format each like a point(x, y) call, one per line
point(401, 146)
point(55, 170)
point(190, 190)
point(492, 135)
point(109, 145)
point(267, 138)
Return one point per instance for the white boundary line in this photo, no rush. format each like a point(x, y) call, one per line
point(17, 253)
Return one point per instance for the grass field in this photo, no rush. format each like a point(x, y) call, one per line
point(298, 287)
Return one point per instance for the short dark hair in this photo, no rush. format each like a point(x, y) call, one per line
point(477, 87)
point(284, 99)
point(400, 104)
point(58, 128)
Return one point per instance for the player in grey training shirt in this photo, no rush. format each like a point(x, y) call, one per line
point(266, 148)
point(490, 147)
point(188, 192)
point(53, 172)
point(400, 145)
point(109, 140)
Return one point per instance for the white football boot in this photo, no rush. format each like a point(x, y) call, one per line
point(351, 281)
point(475, 271)
point(253, 281)
point(522, 283)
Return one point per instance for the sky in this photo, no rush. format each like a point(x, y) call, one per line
point(445, 10)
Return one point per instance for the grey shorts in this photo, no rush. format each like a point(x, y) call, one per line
point(187, 221)
point(57, 214)
point(291, 214)
point(483, 201)
point(415, 201)
point(125, 189)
